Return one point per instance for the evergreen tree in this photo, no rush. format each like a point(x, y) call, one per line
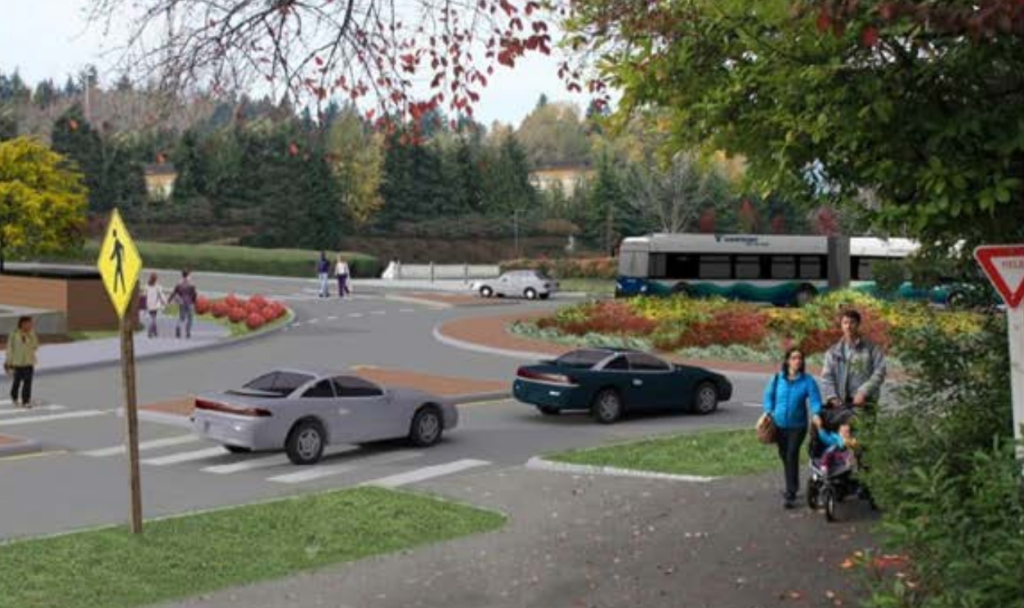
point(609, 217)
point(8, 124)
point(188, 162)
point(507, 186)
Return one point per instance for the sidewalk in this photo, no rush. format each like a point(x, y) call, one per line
point(102, 351)
point(599, 542)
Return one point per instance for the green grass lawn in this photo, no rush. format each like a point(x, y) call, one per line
point(591, 286)
point(710, 453)
point(186, 556)
point(80, 336)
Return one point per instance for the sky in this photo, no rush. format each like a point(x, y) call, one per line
point(53, 38)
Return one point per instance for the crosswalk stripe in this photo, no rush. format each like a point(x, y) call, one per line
point(425, 473)
point(319, 472)
point(379, 312)
point(65, 416)
point(145, 445)
point(8, 411)
point(252, 464)
point(185, 457)
point(406, 310)
point(355, 314)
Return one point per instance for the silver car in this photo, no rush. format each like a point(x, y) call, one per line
point(529, 284)
point(302, 412)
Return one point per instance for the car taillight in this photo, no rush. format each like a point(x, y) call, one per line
point(529, 374)
point(213, 406)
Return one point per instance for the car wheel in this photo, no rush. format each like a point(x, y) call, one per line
point(957, 301)
point(705, 401)
point(804, 295)
point(305, 444)
point(548, 411)
point(426, 427)
point(607, 407)
point(237, 449)
point(486, 292)
point(530, 293)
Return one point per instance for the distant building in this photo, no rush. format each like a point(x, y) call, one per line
point(568, 175)
point(160, 180)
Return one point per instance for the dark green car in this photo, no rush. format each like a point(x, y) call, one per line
point(610, 382)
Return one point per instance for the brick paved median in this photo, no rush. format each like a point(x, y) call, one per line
point(444, 386)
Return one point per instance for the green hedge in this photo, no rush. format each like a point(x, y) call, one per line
point(241, 260)
point(567, 268)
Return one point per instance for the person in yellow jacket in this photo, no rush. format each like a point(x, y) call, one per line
point(21, 362)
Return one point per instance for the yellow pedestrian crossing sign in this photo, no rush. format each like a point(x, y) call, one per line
point(119, 264)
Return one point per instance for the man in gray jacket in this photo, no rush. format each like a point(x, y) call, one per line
point(852, 377)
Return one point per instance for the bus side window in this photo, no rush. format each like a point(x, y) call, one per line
point(811, 267)
point(657, 266)
point(681, 266)
point(715, 267)
point(783, 267)
point(748, 267)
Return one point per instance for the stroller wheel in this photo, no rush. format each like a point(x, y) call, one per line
point(828, 498)
point(812, 496)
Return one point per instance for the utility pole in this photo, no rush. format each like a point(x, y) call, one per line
point(515, 229)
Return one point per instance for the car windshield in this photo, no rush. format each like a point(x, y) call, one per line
point(281, 384)
point(583, 359)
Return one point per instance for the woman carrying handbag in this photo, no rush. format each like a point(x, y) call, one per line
point(786, 400)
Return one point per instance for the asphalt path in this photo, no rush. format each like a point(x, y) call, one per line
point(79, 480)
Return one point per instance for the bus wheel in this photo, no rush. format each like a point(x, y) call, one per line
point(804, 295)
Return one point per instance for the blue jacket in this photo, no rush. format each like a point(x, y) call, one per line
point(786, 400)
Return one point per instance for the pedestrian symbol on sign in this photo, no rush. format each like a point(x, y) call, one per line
point(119, 264)
point(118, 257)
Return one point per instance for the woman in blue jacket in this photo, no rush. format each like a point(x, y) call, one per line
point(786, 399)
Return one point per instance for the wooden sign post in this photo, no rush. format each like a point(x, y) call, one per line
point(120, 264)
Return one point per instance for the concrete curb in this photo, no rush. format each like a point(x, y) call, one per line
point(181, 422)
point(479, 397)
point(223, 343)
point(490, 350)
point(422, 302)
point(542, 464)
point(523, 355)
point(22, 446)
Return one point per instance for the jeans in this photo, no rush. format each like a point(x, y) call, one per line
point(789, 442)
point(22, 383)
point(185, 316)
point(343, 285)
point(152, 323)
point(324, 292)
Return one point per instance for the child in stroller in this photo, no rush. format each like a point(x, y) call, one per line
point(833, 467)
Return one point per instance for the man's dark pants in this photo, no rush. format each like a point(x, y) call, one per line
point(22, 383)
point(789, 442)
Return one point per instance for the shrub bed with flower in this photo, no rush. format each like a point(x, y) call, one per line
point(239, 314)
point(721, 329)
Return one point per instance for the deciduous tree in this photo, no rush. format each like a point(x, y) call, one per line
point(42, 201)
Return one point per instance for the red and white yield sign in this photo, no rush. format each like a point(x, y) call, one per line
point(1004, 265)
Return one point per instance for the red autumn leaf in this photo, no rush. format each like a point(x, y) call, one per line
point(869, 37)
point(824, 22)
point(319, 61)
point(293, 149)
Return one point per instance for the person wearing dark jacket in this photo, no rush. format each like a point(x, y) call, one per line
point(786, 400)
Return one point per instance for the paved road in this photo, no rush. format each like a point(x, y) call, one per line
point(80, 479)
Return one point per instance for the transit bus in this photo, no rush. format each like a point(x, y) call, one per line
point(782, 270)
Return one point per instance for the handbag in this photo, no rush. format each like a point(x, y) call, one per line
point(765, 424)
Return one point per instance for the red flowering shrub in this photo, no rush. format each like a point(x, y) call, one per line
point(607, 318)
point(258, 301)
point(237, 314)
point(744, 325)
point(232, 301)
point(254, 321)
point(202, 305)
point(219, 309)
point(872, 327)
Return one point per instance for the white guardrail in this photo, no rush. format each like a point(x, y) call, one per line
point(440, 272)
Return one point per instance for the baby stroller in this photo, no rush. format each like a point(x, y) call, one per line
point(833, 478)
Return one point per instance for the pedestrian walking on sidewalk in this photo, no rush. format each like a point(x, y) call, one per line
point(186, 296)
point(21, 362)
point(786, 399)
point(155, 302)
point(323, 272)
point(341, 271)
